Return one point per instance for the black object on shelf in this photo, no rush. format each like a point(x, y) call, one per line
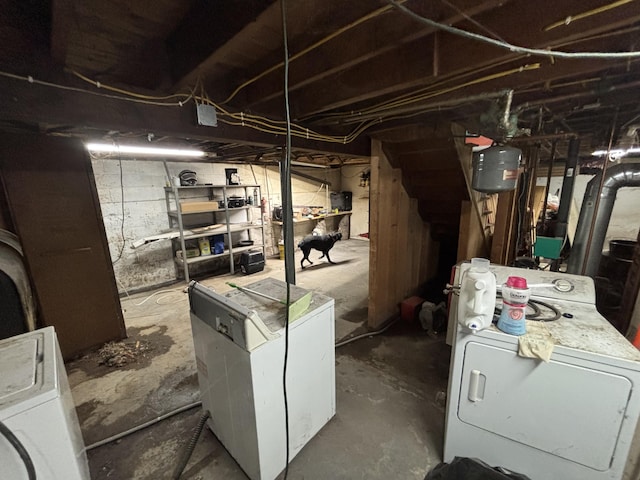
point(251, 262)
point(236, 202)
point(347, 200)
point(232, 176)
point(342, 201)
point(187, 178)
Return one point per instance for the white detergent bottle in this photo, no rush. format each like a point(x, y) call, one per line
point(477, 296)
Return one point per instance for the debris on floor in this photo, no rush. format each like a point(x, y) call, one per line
point(118, 354)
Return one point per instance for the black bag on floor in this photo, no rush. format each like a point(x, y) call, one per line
point(462, 468)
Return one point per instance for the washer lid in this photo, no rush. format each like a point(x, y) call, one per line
point(19, 365)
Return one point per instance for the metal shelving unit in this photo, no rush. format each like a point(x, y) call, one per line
point(222, 216)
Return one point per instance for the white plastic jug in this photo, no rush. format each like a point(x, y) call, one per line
point(477, 296)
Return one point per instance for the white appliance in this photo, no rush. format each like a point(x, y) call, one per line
point(239, 347)
point(571, 418)
point(37, 407)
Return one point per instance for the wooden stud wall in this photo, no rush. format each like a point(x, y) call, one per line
point(402, 253)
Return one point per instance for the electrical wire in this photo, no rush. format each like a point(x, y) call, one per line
point(158, 293)
point(287, 171)
point(423, 94)
point(367, 334)
point(311, 47)
point(35, 81)
point(588, 13)
point(509, 46)
point(121, 252)
point(473, 20)
point(241, 119)
point(286, 196)
point(20, 450)
point(144, 425)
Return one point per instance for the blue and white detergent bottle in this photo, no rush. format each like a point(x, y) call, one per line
point(515, 295)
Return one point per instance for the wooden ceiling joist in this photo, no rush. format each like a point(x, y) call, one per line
point(37, 105)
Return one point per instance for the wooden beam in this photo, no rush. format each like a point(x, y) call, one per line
point(259, 44)
point(405, 68)
point(376, 37)
point(503, 244)
point(62, 16)
point(36, 105)
point(470, 239)
point(185, 46)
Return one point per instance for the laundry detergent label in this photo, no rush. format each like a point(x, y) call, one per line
point(512, 319)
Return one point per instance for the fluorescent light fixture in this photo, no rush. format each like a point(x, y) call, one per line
point(305, 164)
point(116, 148)
point(617, 153)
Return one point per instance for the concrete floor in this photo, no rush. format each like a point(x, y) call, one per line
point(390, 416)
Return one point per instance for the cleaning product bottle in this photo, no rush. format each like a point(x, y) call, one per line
point(477, 296)
point(515, 295)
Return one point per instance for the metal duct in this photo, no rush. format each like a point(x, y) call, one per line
point(586, 262)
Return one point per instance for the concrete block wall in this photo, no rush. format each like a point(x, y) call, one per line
point(145, 211)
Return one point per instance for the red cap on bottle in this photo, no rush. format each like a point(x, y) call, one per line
point(517, 282)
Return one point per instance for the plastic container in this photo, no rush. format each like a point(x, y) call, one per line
point(218, 244)
point(205, 247)
point(477, 296)
point(515, 295)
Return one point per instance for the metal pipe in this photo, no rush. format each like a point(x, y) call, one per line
point(566, 197)
point(552, 159)
point(621, 175)
point(539, 138)
point(597, 202)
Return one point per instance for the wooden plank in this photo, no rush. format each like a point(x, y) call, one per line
point(463, 234)
point(55, 209)
point(62, 16)
point(185, 48)
point(470, 238)
point(199, 207)
point(374, 234)
point(402, 252)
point(401, 249)
point(538, 203)
point(502, 248)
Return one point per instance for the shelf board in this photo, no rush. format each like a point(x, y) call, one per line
point(319, 217)
point(174, 213)
point(204, 258)
point(220, 231)
point(194, 187)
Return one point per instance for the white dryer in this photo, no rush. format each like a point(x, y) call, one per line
point(571, 418)
point(37, 407)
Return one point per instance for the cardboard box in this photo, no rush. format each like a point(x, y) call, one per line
point(198, 207)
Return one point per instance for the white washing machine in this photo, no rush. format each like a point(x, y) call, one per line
point(571, 418)
point(239, 346)
point(37, 407)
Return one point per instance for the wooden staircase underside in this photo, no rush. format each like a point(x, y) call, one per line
point(432, 174)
